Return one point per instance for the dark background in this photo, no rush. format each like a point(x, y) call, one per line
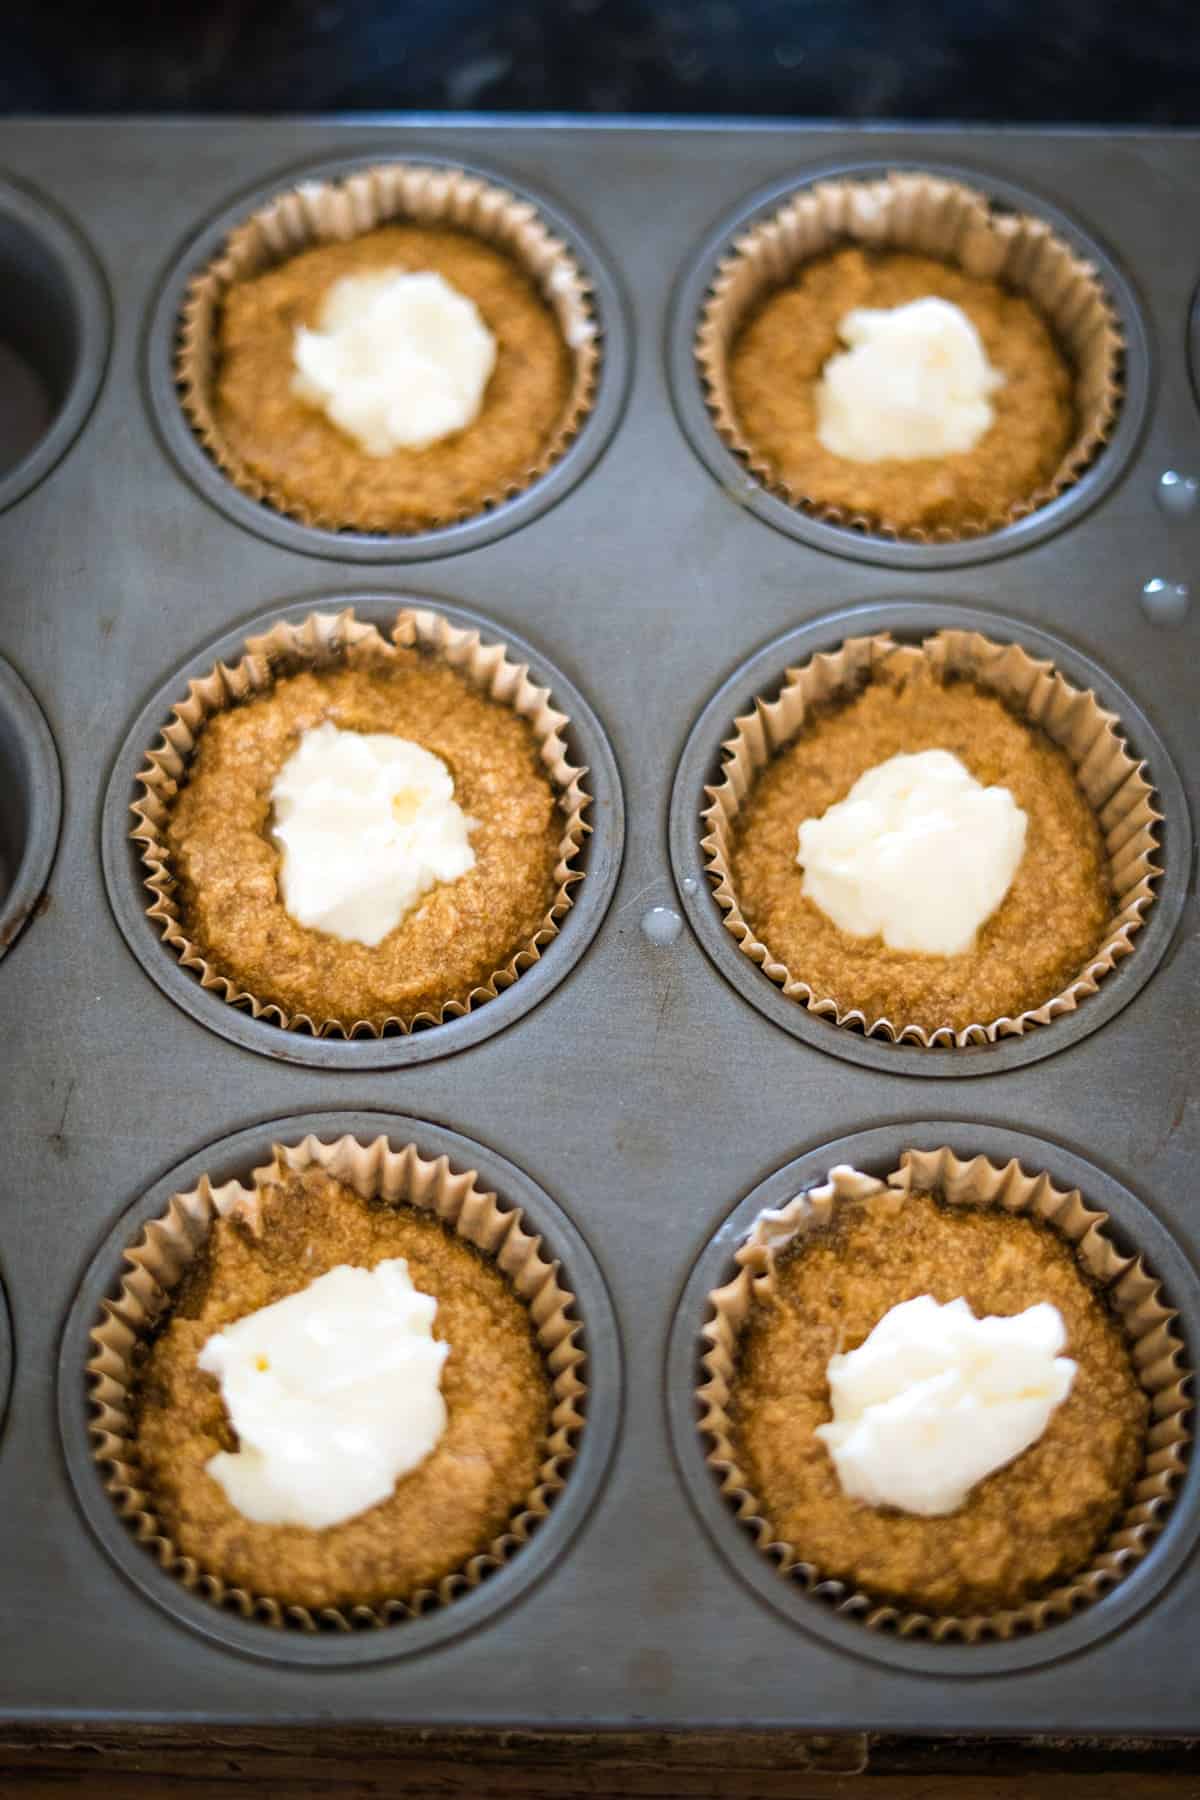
point(1136, 62)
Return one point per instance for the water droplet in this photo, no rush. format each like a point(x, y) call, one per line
point(690, 884)
point(661, 924)
point(1178, 495)
point(1165, 602)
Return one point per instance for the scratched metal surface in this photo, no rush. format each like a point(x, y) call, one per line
point(643, 1094)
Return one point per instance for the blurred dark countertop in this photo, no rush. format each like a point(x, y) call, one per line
point(1001, 61)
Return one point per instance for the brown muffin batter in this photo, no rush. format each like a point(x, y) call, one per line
point(1030, 1524)
point(1043, 932)
point(461, 933)
point(293, 447)
point(450, 1507)
point(776, 364)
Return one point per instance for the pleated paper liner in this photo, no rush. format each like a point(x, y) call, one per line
point(335, 211)
point(937, 217)
point(323, 641)
point(1116, 787)
point(1148, 1322)
point(376, 1172)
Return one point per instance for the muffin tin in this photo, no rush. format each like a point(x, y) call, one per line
point(637, 1108)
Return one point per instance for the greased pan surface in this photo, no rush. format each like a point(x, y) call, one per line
point(643, 1093)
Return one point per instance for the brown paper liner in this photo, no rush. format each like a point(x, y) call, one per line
point(1116, 787)
point(157, 1263)
point(318, 642)
point(1130, 1290)
point(334, 211)
point(958, 224)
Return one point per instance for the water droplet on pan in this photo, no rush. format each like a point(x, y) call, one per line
point(1165, 602)
point(661, 924)
point(690, 884)
point(1178, 495)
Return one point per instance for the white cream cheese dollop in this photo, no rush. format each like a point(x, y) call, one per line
point(936, 1399)
point(919, 853)
point(398, 360)
point(334, 1392)
point(366, 824)
point(915, 381)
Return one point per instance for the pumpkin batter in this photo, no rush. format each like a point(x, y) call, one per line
point(776, 363)
point(293, 447)
point(445, 1511)
point(1043, 932)
point(1024, 1528)
point(460, 934)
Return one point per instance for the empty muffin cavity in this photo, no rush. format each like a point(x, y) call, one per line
point(53, 338)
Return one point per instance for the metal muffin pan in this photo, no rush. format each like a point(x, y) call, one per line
point(54, 315)
point(234, 1159)
point(842, 540)
point(384, 547)
point(600, 859)
point(911, 621)
point(643, 1092)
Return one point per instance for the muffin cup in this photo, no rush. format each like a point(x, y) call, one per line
point(323, 641)
point(160, 1259)
point(322, 212)
point(1155, 1347)
point(1115, 786)
point(940, 217)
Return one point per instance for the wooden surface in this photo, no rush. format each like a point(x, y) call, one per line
point(302, 1765)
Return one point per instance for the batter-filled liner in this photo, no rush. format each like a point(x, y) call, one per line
point(335, 212)
point(321, 642)
point(933, 216)
point(1115, 786)
point(1131, 1293)
point(379, 1174)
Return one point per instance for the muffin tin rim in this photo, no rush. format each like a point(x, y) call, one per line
point(77, 262)
point(871, 1149)
point(909, 619)
point(726, 468)
point(234, 1156)
point(192, 462)
point(128, 897)
point(20, 904)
